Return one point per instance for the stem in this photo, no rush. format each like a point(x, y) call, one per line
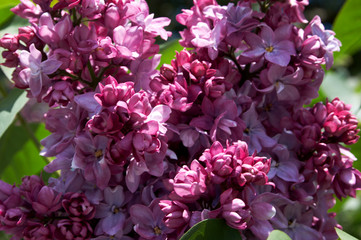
point(95, 80)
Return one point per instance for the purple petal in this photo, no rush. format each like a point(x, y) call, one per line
point(267, 35)
point(113, 223)
point(50, 66)
point(114, 196)
point(278, 57)
point(141, 215)
point(36, 84)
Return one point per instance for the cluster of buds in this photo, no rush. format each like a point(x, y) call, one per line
point(219, 132)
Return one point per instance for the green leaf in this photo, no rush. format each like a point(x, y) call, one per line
point(211, 229)
point(20, 156)
point(343, 235)
point(9, 2)
point(5, 14)
point(278, 235)
point(347, 25)
point(10, 106)
point(168, 50)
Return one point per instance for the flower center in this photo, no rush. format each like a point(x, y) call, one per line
point(98, 153)
point(157, 231)
point(246, 131)
point(115, 210)
point(269, 49)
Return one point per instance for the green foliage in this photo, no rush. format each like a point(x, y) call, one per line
point(10, 106)
point(211, 229)
point(20, 156)
point(168, 51)
point(278, 235)
point(347, 27)
point(343, 235)
point(340, 84)
point(5, 13)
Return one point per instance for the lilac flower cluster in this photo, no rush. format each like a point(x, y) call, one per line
point(220, 132)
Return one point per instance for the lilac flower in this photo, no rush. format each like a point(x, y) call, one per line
point(149, 221)
point(340, 124)
point(78, 207)
point(208, 38)
point(254, 133)
point(89, 156)
point(28, 10)
point(190, 183)
point(233, 210)
point(36, 230)
point(46, 200)
point(52, 33)
point(327, 38)
point(294, 220)
point(110, 212)
point(36, 71)
point(275, 46)
point(177, 214)
point(68, 229)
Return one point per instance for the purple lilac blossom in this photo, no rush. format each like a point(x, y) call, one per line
point(221, 131)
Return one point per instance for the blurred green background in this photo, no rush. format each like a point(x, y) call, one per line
point(19, 143)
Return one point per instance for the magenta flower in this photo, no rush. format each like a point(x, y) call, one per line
point(177, 214)
point(36, 71)
point(218, 161)
point(273, 45)
point(190, 183)
point(36, 230)
point(68, 229)
point(340, 124)
point(234, 210)
point(52, 33)
point(78, 207)
point(46, 201)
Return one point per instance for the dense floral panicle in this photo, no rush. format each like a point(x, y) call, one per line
point(218, 132)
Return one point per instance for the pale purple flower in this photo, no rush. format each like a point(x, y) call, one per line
point(209, 38)
point(110, 212)
point(28, 10)
point(254, 132)
point(36, 71)
point(274, 45)
point(89, 156)
point(52, 33)
point(327, 38)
